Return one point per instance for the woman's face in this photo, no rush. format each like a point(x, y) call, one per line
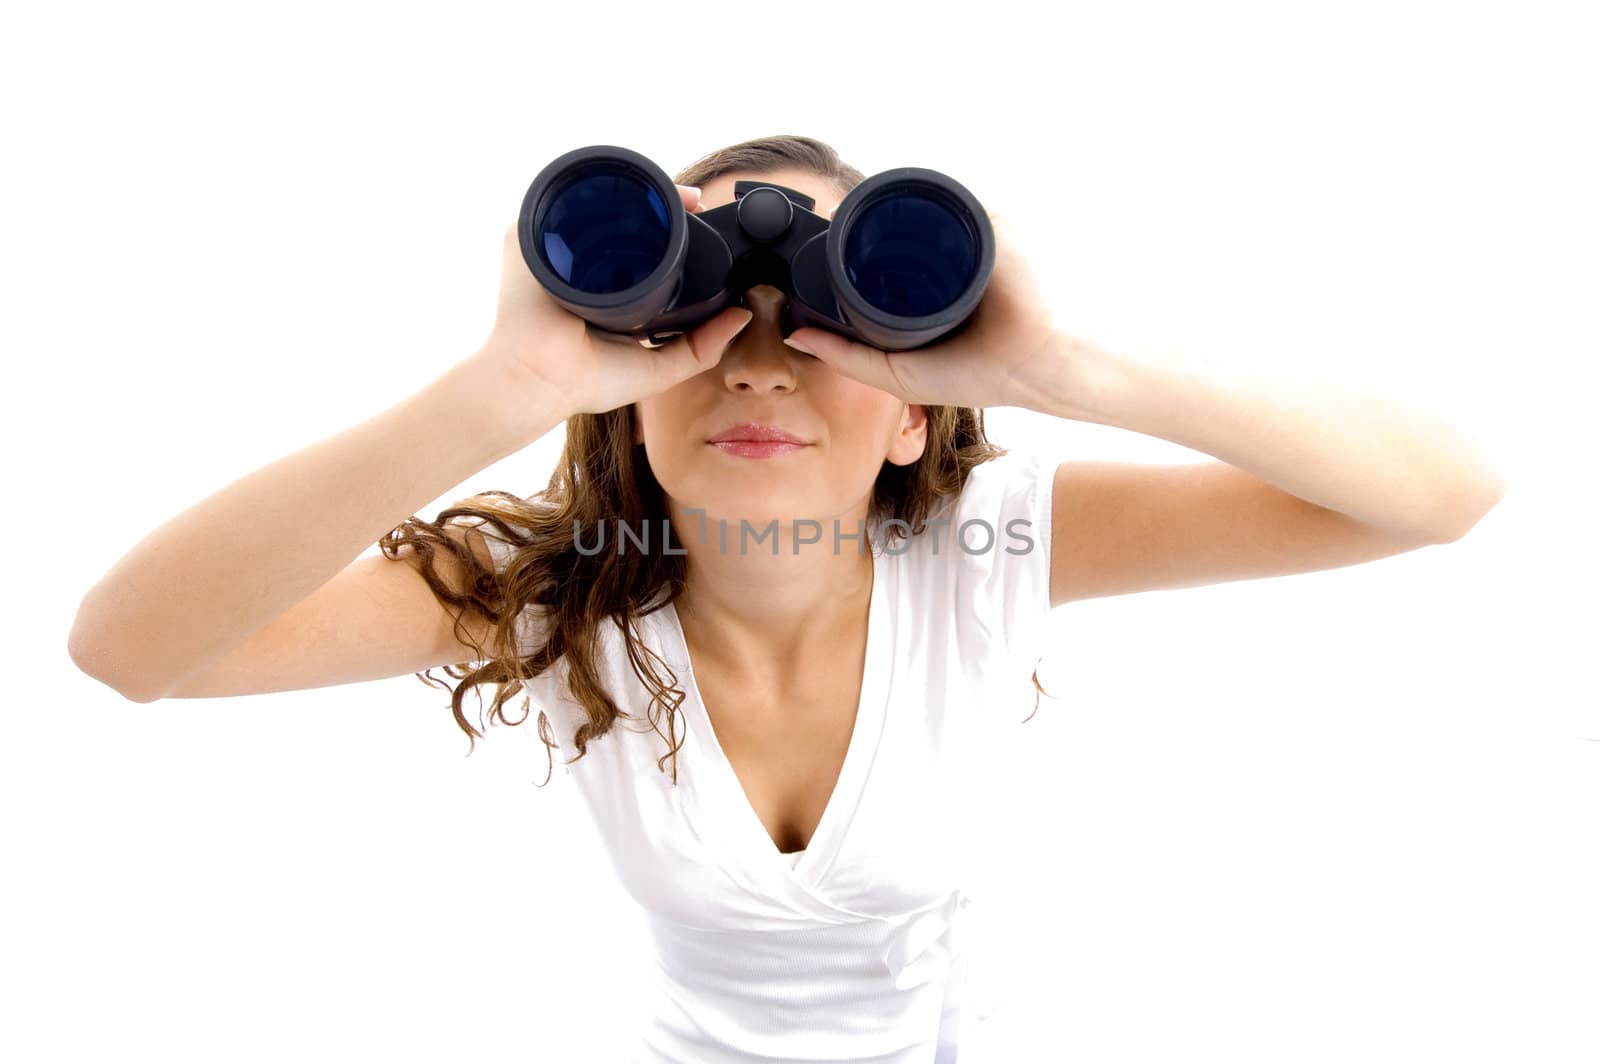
point(850, 429)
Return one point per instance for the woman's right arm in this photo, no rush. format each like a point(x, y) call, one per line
point(189, 611)
point(207, 580)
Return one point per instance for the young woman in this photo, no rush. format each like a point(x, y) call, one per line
point(773, 735)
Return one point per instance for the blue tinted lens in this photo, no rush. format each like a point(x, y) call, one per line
point(909, 254)
point(605, 232)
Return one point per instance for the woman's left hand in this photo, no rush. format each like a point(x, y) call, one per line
point(1009, 353)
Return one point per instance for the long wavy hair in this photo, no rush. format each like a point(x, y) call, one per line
point(603, 477)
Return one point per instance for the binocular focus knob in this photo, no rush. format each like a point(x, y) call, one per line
point(765, 214)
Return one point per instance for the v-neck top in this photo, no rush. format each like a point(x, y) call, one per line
point(719, 787)
point(858, 947)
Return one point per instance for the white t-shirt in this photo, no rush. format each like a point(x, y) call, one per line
point(857, 947)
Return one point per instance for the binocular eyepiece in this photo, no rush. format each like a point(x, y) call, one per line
point(903, 262)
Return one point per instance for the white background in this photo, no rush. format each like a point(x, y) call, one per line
point(1344, 815)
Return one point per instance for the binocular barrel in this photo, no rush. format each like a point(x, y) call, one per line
point(903, 262)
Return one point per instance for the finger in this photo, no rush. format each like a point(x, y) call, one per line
point(859, 361)
point(511, 247)
point(997, 222)
point(701, 349)
point(690, 197)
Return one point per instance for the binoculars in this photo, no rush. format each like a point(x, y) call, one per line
point(903, 262)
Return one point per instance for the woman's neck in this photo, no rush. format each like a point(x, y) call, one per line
point(762, 607)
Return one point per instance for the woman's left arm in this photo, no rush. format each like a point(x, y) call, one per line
point(1388, 466)
point(1394, 470)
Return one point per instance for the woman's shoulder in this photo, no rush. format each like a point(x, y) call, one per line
point(1007, 476)
point(981, 563)
point(500, 549)
point(1003, 497)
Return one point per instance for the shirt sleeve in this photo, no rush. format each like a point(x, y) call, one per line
point(531, 632)
point(1000, 532)
point(547, 692)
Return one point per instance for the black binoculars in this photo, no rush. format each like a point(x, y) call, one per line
point(903, 262)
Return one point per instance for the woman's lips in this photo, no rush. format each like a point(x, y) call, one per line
point(754, 430)
point(757, 448)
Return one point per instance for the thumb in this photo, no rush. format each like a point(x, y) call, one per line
point(702, 348)
point(713, 337)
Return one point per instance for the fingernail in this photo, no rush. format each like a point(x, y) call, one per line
point(797, 345)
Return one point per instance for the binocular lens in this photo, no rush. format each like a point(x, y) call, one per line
point(605, 231)
point(910, 255)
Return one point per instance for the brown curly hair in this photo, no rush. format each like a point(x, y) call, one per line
point(602, 476)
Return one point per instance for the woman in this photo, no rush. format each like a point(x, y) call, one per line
point(772, 734)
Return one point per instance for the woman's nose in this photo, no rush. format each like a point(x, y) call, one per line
point(758, 359)
point(764, 301)
point(760, 362)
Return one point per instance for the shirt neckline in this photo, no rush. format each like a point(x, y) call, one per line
point(721, 799)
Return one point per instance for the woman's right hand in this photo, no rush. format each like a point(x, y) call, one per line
point(587, 369)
